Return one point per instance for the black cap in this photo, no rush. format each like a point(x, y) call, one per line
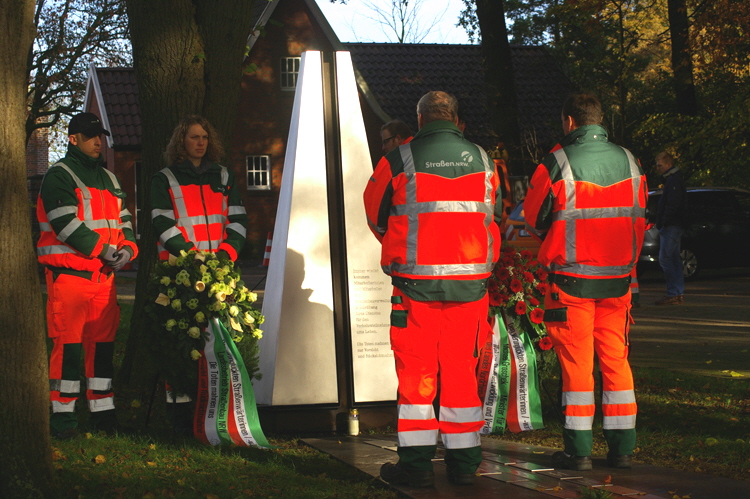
point(88, 124)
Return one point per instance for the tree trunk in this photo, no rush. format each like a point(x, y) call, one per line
point(187, 56)
point(26, 457)
point(682, 63)
point(498, 70)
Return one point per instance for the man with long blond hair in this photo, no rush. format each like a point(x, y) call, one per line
point(195, 205)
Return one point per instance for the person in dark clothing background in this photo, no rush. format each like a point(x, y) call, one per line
point(670, 221)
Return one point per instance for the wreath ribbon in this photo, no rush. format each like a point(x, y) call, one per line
point(226, 412)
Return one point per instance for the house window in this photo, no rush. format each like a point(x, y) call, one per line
point(289, 72)
point(258, 173)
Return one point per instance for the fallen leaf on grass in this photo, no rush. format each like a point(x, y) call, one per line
point(212, 496)
point(711, 441)
point(135, 404)
point(151, 463)
point(57, 455)
point(709, 361)
point(100, 459)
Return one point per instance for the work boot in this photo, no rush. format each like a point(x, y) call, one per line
point(104, 421)
point(181, 417)
point(457, 478)
point(624, 461)
point(670, 300)
point(64, 425)
point(395, 474)
point(575, 463)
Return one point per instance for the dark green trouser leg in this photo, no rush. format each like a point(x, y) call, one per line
point(578, 442)
point(620, 442)
point(464, 460)
point(418, 457)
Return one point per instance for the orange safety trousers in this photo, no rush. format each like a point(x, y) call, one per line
point(434, 340)
point(588, 327)
point(81, 314)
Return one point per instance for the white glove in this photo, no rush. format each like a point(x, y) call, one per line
point(110, 255)
point(122, 257)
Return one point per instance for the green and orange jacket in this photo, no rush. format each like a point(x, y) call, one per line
point(197, 210)
point(431, 203)
point(80, 212)
point(588, 200)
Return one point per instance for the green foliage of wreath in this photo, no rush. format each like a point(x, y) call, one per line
point(185, 293)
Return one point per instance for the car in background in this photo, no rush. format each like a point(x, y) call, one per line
point(717, 235)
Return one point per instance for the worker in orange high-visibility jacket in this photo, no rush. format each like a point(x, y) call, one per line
point(431, 203)
point(85, 235)
point(588, 201)
point(195, 205)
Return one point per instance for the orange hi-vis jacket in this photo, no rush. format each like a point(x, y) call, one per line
point(431, 202)
point(593, 210)
point(78, 217)
point(201, 211)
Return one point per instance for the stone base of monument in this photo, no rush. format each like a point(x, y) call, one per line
point(311, 419)
point(518, 471)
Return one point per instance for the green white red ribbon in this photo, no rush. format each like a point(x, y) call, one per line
point(508, 380)
point(225, 412)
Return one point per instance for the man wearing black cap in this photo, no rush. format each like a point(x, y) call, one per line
point(85, 235)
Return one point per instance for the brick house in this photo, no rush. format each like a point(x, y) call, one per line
point(391, 78)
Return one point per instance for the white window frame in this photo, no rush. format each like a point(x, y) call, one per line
point(251, 168)
point(289, 72)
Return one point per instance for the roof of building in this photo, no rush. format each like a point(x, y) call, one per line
point(116, 92)
point(397, 75)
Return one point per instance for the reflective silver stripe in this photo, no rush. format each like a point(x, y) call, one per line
point(570, 203)
point(591, 270)
point(45, 227)
point(442, 206)
point(64, 386)
point(579, 422)
point(618, 397)
point(237, 210)
point(85, 192)
point(618, 422)
point(438, 270)
point(105, 404)
point(101, 223)
point(169, 234)
point(126, 225)
point(58, 406)
point(489, 199)
point(215, 219)
point(179, 200)
point(635, 174)
point(588, 213)
point(206, 245)
point(54, 250)
point(69, 229)
point(461, 414)
point(461, 440)
point(570, 214)
point(113, 178)
point(421, 411)
point(178, 400)
point(419, 437)
point(61, 211)
point(99, 384)
point(411, 199)
point(162, 213)
point(412, 209)
point(238, 228)
point(577, 398)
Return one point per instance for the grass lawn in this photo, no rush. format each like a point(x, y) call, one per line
point(687, 422)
